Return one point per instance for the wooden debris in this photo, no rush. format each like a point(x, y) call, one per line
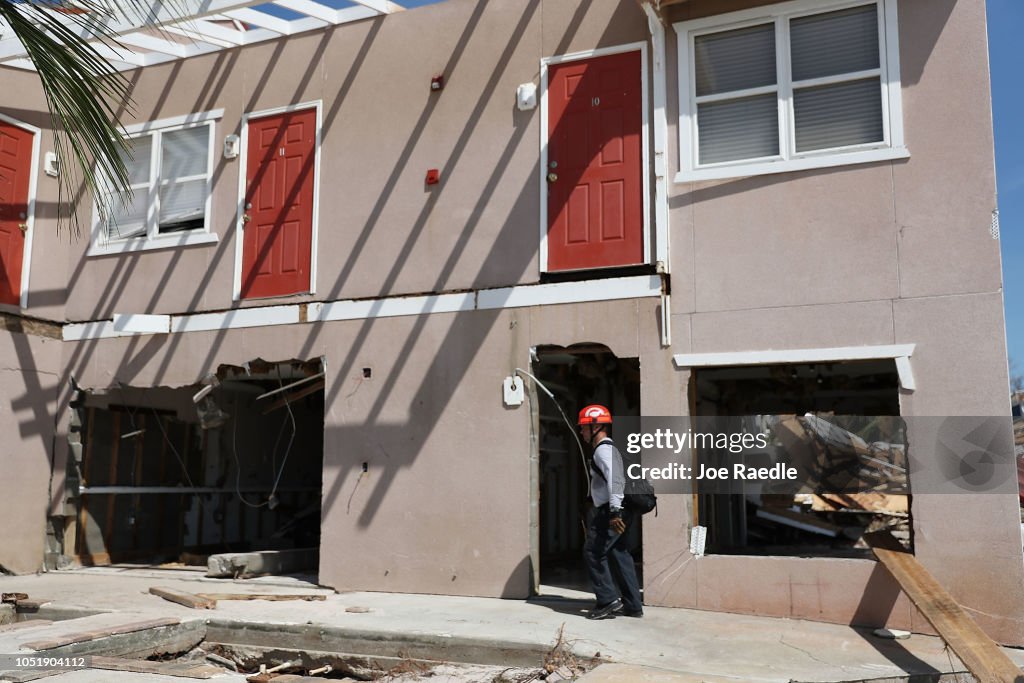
point(979, 653)
point(13, 598)
point(260, 596)
point(32, 605)
point(868, 501)
point(85, 636)
point(358, 610)
point(177, 669)
point(182, 598)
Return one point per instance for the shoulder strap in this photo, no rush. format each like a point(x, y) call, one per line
point(598, 469)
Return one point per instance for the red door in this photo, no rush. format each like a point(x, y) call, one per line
point(15, 167)
point(594, 174)
point(277, 242)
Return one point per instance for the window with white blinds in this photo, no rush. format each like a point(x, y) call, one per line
point(789, 86)
point(170, 174)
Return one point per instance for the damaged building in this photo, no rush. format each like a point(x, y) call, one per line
point(373, 256)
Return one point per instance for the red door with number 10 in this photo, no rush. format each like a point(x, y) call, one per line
point(595, 174)
point(277, 243)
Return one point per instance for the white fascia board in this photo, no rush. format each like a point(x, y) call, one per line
point(310, 9)
point(101, 329)
point(236, 319)
point(355, 14)
point(390, 308)
point(11, 47)
point(139, 323)
point(640, 286)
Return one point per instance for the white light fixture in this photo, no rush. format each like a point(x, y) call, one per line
point(526, 97)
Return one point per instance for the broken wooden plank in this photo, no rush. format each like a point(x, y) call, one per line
point(183, 598)
point(141, 666)
point(84, 636)
point(12, 597)
point(868, 501)
point(32, 604)
point(979, 653)
point(260, 596)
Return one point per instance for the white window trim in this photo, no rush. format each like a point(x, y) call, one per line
point(900, 353)
point(891, 148)
point(545, 62)
point(243, 168)
point(102, 245)
point(30, 212)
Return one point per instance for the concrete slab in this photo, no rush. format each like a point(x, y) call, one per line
point(707, 645)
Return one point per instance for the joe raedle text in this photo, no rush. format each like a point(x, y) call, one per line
point(737, 472)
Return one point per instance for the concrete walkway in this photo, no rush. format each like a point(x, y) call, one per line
point(672, 644)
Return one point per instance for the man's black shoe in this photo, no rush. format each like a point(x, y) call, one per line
point(637, 614)
point(606, 612)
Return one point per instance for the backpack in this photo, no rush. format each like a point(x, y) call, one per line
point(638, 494)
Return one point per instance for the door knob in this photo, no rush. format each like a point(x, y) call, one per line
point(552, 177)
point(23, 227)
point(246, 218)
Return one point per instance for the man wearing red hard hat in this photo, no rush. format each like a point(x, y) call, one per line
point(609, 561)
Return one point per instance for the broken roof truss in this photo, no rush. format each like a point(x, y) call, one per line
point(195, 27)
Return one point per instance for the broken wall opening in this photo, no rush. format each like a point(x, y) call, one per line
point(577, 375)
point(173, 475)
point(843, 419)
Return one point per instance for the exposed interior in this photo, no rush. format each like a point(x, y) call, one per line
point(173, 475)
point(577, 375)
point(840, 421)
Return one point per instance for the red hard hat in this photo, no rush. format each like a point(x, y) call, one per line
point(595, 414)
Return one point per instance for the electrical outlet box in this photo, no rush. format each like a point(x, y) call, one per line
point(513, 389)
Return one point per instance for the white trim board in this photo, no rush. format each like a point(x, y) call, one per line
point(635, 287)
point(243, 170)
point(30, 211)
point(644, 139)
point(901, 353)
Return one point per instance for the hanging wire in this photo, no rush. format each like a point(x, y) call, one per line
point(572, 430)
point(280, 470)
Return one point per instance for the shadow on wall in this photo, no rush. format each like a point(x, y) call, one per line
point(466, 332)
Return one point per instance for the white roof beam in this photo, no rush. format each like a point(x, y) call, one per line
point(208, 31)
point(379, 6)
point(154, 44)
point(355, 14)
point(262, 20)
point(310, 9)
point(161, 15)
point(125, 56)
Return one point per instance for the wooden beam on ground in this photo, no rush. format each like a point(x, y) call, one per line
point(979, 653)
point(182, 598)
point(259, 596)
point(141, 666)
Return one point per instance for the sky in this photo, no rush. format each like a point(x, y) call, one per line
point(1005, 29)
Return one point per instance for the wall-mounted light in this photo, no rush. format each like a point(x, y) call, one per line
point(232, 143)
point(526, 97)
point(50, 164)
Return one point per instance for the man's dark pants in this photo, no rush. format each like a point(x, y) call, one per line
point(609, 561)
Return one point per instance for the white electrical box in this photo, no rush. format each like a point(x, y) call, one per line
point(526, 97)
point(231, 146)
point(50, 165)
point(513, 389)
point(698, 537)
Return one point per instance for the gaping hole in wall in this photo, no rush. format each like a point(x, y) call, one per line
point(230, 466)
point(840, 420)
point(577, 375)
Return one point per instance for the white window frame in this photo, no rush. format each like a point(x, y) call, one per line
point(891, 147)
point(102, 244)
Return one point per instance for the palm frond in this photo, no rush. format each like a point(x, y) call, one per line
point(83, 91)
